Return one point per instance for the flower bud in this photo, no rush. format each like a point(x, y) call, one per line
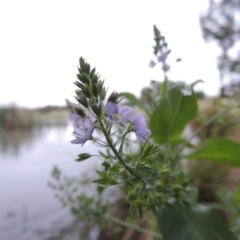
point(82, 63)
point(165, 172)
point(177, 188)
point(132, 196)
point(159, 187)
point(79, 112)
point(113, 97)
point(94, 90)
point(160, 198)
point(82, 100)
point(97, 109)
point(83, 77)
point(86, 92)
point(78, 84)
point(100, 86)
point(94, 79)
point(83, 156)
point(84, 66)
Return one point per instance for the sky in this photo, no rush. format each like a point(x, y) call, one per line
point(42, 40)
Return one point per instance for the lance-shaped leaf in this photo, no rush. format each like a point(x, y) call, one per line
point(171, 116)
point(218, 150)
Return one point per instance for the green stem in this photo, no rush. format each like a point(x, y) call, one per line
point(164, 88)
point(133, 226)
point(117, 154)
point(169, 151)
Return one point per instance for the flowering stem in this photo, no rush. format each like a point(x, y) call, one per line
point(117, 154)
point(164, 88)
point(169, 151)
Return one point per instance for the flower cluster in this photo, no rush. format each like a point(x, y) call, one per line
point(161, 58)
point(119, 115)
point(91, 95)
point(160, 50)
point(116, 115)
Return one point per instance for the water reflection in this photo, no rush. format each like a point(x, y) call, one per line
point(26, 161)
point(12, 141)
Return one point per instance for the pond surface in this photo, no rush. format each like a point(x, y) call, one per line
point(28, 209)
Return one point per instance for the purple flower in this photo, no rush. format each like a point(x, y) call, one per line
point(165, 67)
point(162, 57)
point(118, 115)
point(83, 132)
point(140, 127)
point(152, 64)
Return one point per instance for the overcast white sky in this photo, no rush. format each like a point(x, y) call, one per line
point(41, 41)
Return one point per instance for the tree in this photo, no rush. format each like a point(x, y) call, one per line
point(221, 23)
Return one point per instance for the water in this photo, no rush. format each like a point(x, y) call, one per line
point(28, 209)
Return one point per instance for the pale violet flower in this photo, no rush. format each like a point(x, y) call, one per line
point(140, 127)
point(118, 115)
point(165, 67)
point(83, 132)
point(162, 57)
point(152, 64)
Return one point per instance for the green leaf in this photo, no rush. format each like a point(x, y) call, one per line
point(219, 150)
point(196, 82)
point(105, 182)
point(171, 116)
point(132, 99)
point(83, 156)
point(192, 223)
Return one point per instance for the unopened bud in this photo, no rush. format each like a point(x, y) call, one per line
point(159, 187)
point(83, 156)
point(97, 109)
point(79, 112)
point(83, 78)
point(113, 97)
point(86, 92)
point(132, 196)
point(94, 89)
point(177, 188)
point(94, 78)
point(82, 100)
point(165, 171)
point(160, 198)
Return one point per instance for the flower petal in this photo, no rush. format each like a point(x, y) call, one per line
point(125, 113)
point(143, 134)
point(78, 141)
point(74, 118)
point(111, 108)
point(139, 121)
point(162, 57)
point(140, 127)
point(88, 124)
